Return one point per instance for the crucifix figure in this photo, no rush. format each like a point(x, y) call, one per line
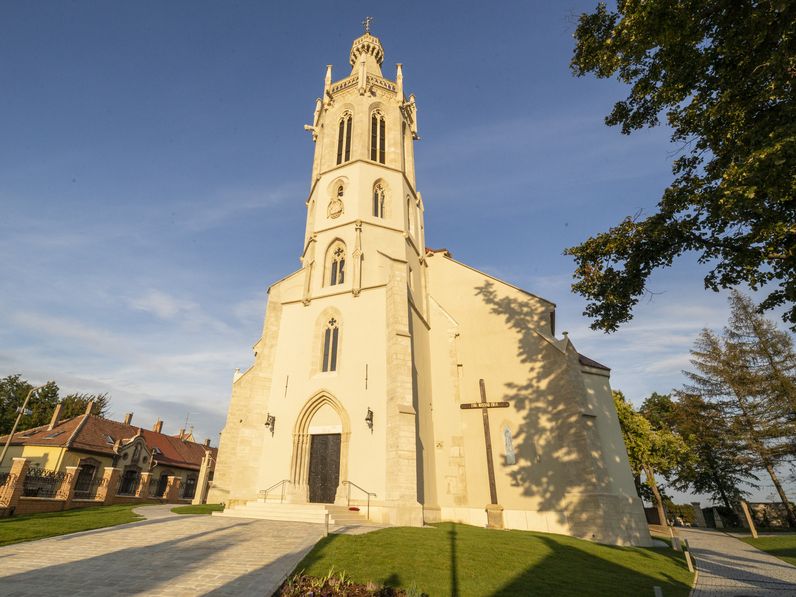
point(366, 23)
point(494, 511)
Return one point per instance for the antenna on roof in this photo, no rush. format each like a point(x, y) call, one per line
point(185, 425)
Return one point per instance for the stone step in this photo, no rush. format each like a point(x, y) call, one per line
point(313, 513)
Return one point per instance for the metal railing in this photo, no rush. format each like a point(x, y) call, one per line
point(42, 483)
point(156, 488)
point(88, 490)
point(283, 483)
point(365, 491)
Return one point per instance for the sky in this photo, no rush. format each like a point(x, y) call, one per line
point(154, 168)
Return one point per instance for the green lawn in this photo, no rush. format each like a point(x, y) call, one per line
point(39, 526)
point(198, 509)
point(782, 546)
point(460, 560)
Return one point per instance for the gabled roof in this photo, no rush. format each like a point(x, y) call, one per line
point(95, 434)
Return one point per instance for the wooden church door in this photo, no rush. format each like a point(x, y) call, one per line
point(324, 474)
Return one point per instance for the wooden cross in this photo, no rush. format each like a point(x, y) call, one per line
point(366, 23)
point(485, 406)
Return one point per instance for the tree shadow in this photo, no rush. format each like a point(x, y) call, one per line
point(559, 449)
point(456, 560)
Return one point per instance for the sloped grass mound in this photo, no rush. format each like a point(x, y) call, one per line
point(458, 560)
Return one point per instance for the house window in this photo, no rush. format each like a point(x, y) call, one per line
point(377, 137)
point(378, 200)
point(330, 342)
point(344, 138)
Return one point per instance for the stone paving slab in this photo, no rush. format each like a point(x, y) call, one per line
point(167, 554)
point(731, 568)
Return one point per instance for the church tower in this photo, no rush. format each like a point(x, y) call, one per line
point(392, 377)
point(331, 398)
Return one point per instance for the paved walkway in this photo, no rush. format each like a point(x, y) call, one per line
point(165, 555)
point(731, 568)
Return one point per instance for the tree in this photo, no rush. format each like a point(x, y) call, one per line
point(716, 468)
point(768, 353)
point(722, 73)
point(724, 377)
point(14, 389)
point(649, 450)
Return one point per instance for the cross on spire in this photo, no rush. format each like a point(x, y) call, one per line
point(366, 23)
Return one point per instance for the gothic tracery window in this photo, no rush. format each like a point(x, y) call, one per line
point(378, 200)
point(335, 264)
point(377, 137)
point(344, 138)
point(330, 341)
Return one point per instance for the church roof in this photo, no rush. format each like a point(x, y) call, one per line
point(587, 362)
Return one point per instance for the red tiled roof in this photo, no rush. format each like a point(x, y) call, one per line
point(95, 434)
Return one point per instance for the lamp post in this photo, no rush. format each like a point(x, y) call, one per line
point(19, 416)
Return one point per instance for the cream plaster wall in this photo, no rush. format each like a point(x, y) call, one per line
point(417, 332)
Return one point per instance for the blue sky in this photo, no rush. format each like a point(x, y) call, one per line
point(153, 172)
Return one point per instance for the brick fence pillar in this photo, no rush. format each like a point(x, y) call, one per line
point(172, 493)
point(107, 490)
point(67, 489)
point(12, 490)
point(142, 490)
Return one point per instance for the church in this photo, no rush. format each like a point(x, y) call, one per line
point(394, 380)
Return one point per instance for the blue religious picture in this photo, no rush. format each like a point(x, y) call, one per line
point(510, 457)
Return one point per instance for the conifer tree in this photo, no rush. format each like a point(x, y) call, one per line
point(724, 377)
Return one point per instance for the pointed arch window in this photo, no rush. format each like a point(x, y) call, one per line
point(378, 136)
point(335, 264)
point(344, 138)
point(378, 200)
point(331, 338)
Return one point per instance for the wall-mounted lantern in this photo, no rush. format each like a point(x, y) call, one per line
point(270, 422)
point(369, 419)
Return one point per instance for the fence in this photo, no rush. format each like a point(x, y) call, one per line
point(43, 483)
point(27, 490)
point(88, 489)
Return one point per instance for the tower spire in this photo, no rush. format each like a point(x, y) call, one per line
point(366, 24)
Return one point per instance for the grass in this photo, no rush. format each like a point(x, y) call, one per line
point(781, 546)
point(198, 509)
point(39, 526)
point(458, 560)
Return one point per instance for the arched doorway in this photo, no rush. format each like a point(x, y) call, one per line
point(320, 450)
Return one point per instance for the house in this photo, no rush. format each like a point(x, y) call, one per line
point(93, 444)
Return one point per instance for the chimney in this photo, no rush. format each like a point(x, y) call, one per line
point(56, 416)
point(182, 433)
point(207, 443)
point(89, 406)
point(127, 418)
point(158, 426)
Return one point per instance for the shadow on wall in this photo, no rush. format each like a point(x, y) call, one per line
point(557, 446)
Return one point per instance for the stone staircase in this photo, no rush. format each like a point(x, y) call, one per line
point(339, 516)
